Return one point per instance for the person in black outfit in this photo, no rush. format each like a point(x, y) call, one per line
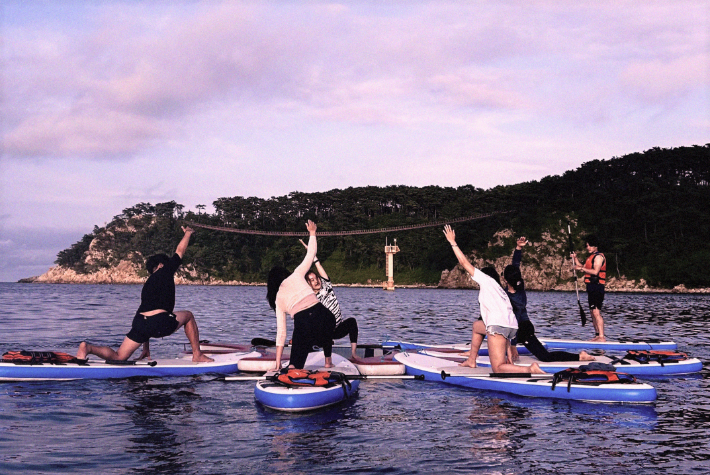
point(155, 317)
point(515, 289)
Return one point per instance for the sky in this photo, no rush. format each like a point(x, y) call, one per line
point(106, 104)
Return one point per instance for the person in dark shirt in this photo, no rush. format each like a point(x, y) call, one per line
point(515, 289)
point(155, 317)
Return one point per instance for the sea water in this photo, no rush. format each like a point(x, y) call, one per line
point(197, 425)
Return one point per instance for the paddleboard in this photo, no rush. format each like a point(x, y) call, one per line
point(449, 372)
point(372, 360)
point(299, 399)
point(99, 369)
point(550, 343)
point(629, 366)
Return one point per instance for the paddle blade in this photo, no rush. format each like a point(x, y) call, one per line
point(582, 314)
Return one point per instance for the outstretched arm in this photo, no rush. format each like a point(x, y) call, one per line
point(316, 261)
point(182, 246)
point(463, 260)
point(304, 266)
point(518, 253)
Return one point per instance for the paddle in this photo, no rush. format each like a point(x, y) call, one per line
point(350, 377)
point(269, 343)
point(131, 363)
point(445, 375)
point(576, 287)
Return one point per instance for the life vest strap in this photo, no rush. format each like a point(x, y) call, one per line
point(591, 377)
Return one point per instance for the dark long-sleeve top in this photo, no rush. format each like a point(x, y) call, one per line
point(519, 300)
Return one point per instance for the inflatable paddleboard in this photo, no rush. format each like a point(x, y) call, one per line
point(99, 369)
point(308, 398)
point(372, 360)
point(449, 372)
point(622, 364)
point(551, 344)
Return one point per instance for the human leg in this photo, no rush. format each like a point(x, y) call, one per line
point(477, 334)
point(124, 351)
point(497, 353)
point(187, 319)
point(347, 327)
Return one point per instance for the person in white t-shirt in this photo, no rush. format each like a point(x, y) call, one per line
point(497, 322)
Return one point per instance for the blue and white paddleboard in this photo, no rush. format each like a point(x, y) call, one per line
point(99, 369)
point(629, 366)
point(300, 399)
point(449, 372)
point(550, 343)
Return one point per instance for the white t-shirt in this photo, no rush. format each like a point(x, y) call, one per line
point(495, 305)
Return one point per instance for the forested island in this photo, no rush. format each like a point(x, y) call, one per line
point(650, 211)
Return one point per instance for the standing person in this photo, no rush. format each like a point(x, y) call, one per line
point(155, 317)
point(595, 277)
point(320, 283)
point(313, 324)
point(497, 321)
point(515, 290)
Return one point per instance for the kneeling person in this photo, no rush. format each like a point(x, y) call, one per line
point(155, 317)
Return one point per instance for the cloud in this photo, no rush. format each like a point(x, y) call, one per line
point(137, 75)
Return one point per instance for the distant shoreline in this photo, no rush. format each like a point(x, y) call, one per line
point(676, 290)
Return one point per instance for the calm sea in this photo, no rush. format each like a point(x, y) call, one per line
point(200, 426)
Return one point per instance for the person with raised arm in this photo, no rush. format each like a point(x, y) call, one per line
point(313, 324)
point(515, 290)
point(497, 321)
point(320, 283)
point(594, 269)
point(155, 317)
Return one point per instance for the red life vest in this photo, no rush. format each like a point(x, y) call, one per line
point(589, 264)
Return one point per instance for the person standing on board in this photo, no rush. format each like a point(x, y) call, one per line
point(320, 283)
point(313, 324)
point(515, 290)
point(595, 277)
point(155, 317)
point(497, 321)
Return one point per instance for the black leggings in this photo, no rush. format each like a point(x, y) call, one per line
point(311, 327)
point(346, 327)
point(526, 335)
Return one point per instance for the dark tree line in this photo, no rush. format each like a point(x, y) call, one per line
point(649, 210)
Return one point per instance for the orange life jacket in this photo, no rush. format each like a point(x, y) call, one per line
point(38, 357)
point(589, 264)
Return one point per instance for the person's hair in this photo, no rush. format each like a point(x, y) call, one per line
point(153, 261)
point(592, 240)
point(308, 274)
point(491, 272)
point(276, 275)
point(512, 275)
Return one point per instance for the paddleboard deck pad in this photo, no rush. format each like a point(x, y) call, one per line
point(522, 384)
point(99, 369)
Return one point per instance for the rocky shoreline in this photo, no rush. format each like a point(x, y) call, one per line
point(545, 268)
point(126, 274)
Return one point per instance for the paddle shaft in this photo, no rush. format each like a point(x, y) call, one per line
point(582, 316)
point(265, 342)
point(349, 377)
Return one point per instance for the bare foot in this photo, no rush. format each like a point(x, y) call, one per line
point(584, 356)
point(201, 358)
point(83, 351)
point(535, 369)
point(466, 353)
point(329, 365)
point(468, 363)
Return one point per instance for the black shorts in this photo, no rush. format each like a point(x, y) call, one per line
point(156, 326)
point(595, 296)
